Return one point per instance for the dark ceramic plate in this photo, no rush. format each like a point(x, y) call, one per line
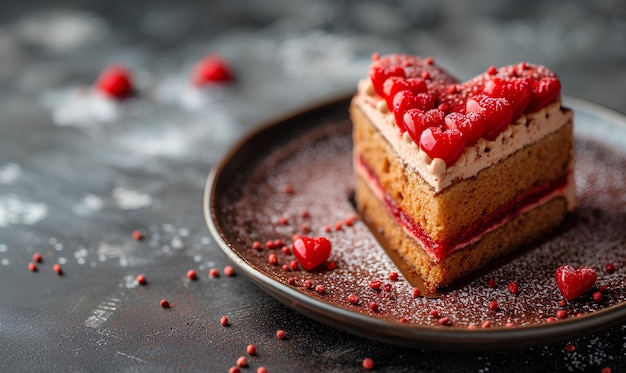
point(295, 176)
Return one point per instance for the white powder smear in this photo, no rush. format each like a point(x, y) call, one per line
point(9, 173)
point(13, 210)
point(87, 205)
point(128, 199)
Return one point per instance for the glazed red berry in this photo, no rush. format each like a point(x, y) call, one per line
point(447, 145)
point(212, 69)
point(405, 100)
point(517, 91)
point(544, 90)
point(417, 120)
point(379, 74)
point(498, 112)
point(115, 82)
point(471, 125)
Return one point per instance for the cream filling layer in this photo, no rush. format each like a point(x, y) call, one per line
point(526, 130)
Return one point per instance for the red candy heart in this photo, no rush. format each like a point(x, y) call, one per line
point(574, 282)
point(500, 95)
point(416, 121)
point(311, 252)
point(115, 81)
point(447, 145)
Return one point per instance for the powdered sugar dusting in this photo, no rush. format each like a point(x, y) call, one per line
point(128, 199)
point(9, 173)
point(15, 210)
point(318, 169)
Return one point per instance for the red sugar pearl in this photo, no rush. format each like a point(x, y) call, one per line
point(603, 289)
point(609, 267)
point(234, 370)
point(137, 235)
point(597, 296)
point(213, 272)
point(353, 298)
point(375, 285)
point(326, 228)
point(606, 370)
point(283, 220)
point(305, 228)
point(393, 276)
point(493, 305)
point(269, 244)
point(251, 349)
point(387, 287)
point(256, 245)
point(229, 271)
point(425, 75)
point(550, 319)
point(192, 275)
point(486, 324)
point(331, 265)
point(471, 326)
point(561, 314)
point(37, 257)
point(513, 288)
point(308, 284)
point(272, 259)
point(404, 320)
point(242, 361)
point(434, 313)
point(491, 283)
point(32, 267)
point(141, 279)
point(338, 226)
point(368, 363)
point(416, 292)
point(320, 289)
point(570, 347)
point(563, 303)
point(444, 321)
point(57, 269)
point(288, 189)
point(224, 321)
point(291, 281)
point(278, 243)
point(280, 334)
point(293, 265)
point(286, 250)
point(285, 267)
point(509, 324)
point(373, 306)
point(492, 70)
point(261, 370)
point(304, 214)
point(164, 303)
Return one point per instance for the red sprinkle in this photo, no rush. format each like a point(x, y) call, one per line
point(471, 326)
point(115, 81)
point(308, 284)
point(493, 305)
point(242, 361)
point(305, 228)
point(491, 283)
point(224, 321)
point(434, 313)
point(288, 189)
point(304, 214)
point(606, 370)
point(444, 321)
point(137, 235)
point(513, 288)
point(57, 268)
point(291, 281)
point(37, 257)
point(192, 275)
point(229, 271)
point(320, 289)
point(32, 266)
point(570, 347)
point(272, 259)
point(141, 279)
point(551, 319)
point(261, 370)
point(373, 306)
point(353, 298)
point(234, 370)
point(597, 296)
point(509, 324)
point(269, 244)
point(486, 324)
point(331, 265)
point(286, 250)
point(387, 287)
point(293, 265)
point(285, 267)
point(278, 243)
point(338, 226)
point(404, 320)
point(251, 349)
point(425, 75)
point(563, 303)
point(256, 245)
point(416, 292)
point(610, 268)
point(603, 289)
point(213, 272)
point(280, 334)
point(375, 285)
point(283, 220)
point(561, 314)
point(326, 228)
point(368, 363)
point(492, 70)
point(393, 276)
point(164, 303)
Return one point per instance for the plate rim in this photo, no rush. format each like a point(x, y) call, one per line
point(394, 332)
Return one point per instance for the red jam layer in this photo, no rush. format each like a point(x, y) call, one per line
point(440, 249)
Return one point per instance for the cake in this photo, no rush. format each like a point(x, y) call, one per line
point(455, 174)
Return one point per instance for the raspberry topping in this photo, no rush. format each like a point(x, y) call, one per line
point(413, 86)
